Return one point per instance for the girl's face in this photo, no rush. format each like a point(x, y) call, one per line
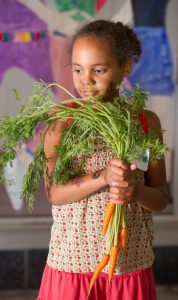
point(94, 69)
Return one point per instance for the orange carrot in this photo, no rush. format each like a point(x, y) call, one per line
point(99, 268)
point(123, 239)
point(109, 212)
point(113, 260)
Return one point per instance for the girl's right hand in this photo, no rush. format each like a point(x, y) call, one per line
point(118, 175)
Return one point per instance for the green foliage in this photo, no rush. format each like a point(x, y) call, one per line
point(36, 170)
point(114, 123)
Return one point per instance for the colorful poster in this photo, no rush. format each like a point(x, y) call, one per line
point(100, 4)
point(87, 6)
point(24, 41)
point(24, 44)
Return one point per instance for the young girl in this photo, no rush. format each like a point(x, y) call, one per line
point(102, 54)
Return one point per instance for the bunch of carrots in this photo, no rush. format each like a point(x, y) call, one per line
point(115, 217)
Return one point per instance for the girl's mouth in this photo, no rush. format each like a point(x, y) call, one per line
point(88, 93)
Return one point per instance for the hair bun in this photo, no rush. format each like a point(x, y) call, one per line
point(120, 24)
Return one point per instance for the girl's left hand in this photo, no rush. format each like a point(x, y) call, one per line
point(122, 190)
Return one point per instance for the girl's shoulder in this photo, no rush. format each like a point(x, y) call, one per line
point(53, 132)
point(152, 119)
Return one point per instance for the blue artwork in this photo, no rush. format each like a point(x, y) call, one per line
point(154, 71)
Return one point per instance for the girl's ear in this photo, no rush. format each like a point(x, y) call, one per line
point(127, 68)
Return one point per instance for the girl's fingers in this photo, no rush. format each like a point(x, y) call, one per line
point(125, 196)
point(120, 183)
point(133, 167)
point(118, 174)
point(121, 202)
point(120, 168)
point(121, 193)
point(118, 171)
point(124, 201)
point(119, 163)
point(122, 164)
point(116, 177)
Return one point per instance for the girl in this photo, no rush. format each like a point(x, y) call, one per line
point(102, 54)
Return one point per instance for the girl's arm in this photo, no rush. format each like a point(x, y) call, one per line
point(153, 195)
point(75, 189)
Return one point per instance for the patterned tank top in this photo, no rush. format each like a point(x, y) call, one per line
point(77, 243)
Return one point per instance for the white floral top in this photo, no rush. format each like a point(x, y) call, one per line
point(77, 244)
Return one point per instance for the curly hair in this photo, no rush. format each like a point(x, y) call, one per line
point(120, 39)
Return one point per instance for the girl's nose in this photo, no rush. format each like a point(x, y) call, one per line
point(88, 79)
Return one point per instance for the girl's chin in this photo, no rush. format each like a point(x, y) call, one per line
point(88, 96)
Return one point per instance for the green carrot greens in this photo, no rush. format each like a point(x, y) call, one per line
point(115, 123)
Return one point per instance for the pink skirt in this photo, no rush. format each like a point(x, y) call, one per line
point(57, 285)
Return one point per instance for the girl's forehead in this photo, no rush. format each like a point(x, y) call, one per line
point(91, 46)
point(90, 42)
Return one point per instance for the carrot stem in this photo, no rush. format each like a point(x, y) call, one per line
point(118, 213)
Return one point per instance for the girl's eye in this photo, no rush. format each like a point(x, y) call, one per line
point(77, 71)
point(100, 71)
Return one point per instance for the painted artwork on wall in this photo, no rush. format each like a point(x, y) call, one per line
point(34, 37)
point(24, 44)
point(154, 71)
